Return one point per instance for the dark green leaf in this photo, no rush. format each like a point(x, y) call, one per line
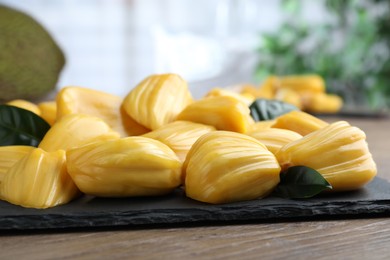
point(266, 109)
point(21, 127)
point(300, 182)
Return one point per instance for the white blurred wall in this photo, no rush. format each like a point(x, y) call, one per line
point(111, 45)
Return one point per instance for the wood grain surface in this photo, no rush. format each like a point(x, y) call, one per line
point(325, 239)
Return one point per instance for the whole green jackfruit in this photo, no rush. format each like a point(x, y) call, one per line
point(30, 60)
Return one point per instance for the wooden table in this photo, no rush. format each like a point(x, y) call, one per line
point(325, 239)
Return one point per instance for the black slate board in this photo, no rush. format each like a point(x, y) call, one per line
point(176, 209)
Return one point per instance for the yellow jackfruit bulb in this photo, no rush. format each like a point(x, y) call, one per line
point(131, 166)
point(324, 103)
point(27, 105)
point(132, 127)
point(224, 113)
point(157, 100)
point(260, 125)
point(300, 122)
point(218, 92)
point(48, 111)
point(289, 96)
point(39, 180)
point(75, 130)
point(274, 138)
point(224, 167)
point(9, 155)
point(180, 135)
point(338, 151)
point(266, 90)
point(78, 100)
point(303, 83)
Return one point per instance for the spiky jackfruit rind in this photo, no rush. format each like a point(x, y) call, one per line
point(30, 59)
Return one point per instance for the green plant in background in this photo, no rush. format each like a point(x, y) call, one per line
point(351, 50)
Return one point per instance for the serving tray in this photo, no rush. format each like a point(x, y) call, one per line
point(176, 209)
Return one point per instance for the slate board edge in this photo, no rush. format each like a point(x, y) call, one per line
point(373, 201)
point(194, 216)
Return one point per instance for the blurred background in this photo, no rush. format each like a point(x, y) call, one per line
point(111, 45)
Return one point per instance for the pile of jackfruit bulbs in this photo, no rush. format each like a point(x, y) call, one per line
point(306, 92)
point(158, 138)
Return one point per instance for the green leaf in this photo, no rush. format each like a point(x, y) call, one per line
point(266, 109)
point(362, 49)
point(301, 182)
point(21, 127)
point(291, 6)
